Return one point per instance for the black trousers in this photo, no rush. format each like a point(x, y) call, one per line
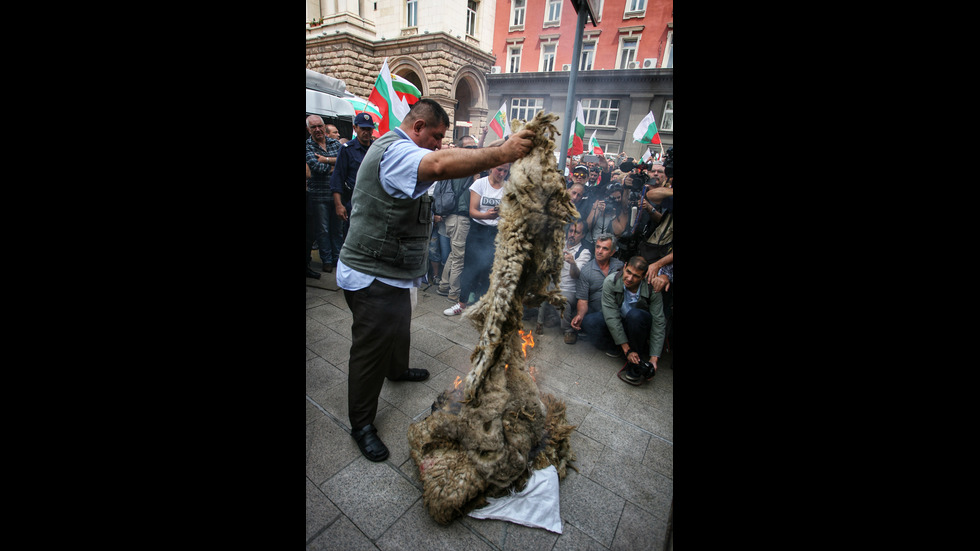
point(380, 339)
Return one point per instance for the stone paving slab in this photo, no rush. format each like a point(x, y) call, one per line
point(619, 497)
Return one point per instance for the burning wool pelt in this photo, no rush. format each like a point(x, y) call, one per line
point(486, 438)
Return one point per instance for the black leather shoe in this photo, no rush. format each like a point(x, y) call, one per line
point(311, 273)
point(371, 446)
point(414, 375)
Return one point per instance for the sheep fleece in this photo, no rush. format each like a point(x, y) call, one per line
point(485, 439)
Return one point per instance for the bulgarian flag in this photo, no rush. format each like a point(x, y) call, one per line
point(647, 132)
point(499, 122)
point(575, 142)
point(594, 144)
point(363, 106)
point(405, 90)
point(393, 109)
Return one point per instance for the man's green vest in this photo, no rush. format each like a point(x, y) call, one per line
point(388, 237)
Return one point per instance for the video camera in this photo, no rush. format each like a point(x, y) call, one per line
point(632, 179)
point(669, 162)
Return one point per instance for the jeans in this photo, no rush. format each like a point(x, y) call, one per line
point(566, 319)
point(637, 324)
point(478, 261)
point(310, 228)
point(594, 325)
point(439, 246)
point(329, 232)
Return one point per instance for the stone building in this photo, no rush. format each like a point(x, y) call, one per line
point(474, 56)
point(442, 47)
point(625, 66)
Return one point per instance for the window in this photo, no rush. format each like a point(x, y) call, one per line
point(553, 14)
point(471, 18)
point(627, 51)
point(667, 121)
point(633, 6)
point(525, 108)
point(588, 56)
point(514, 60)
point(548, 57)
point(413, 13)
point(670, 50)
point(517, 18)
point(600, 112)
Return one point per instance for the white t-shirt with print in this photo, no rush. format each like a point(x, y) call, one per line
point(489, 198)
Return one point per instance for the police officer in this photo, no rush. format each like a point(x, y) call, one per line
point(348, 161)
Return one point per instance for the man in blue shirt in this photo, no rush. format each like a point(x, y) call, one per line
point(348, 161)
point(386, 251)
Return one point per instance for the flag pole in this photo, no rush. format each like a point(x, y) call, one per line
point(570, 100)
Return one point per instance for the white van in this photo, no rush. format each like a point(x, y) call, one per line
point(323, 98)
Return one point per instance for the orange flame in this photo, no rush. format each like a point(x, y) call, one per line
point(456, 384)
point(528, 341)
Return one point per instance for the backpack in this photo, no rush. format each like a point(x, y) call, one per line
point(444, 197)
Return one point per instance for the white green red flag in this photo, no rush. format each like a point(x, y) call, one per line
point(575, 141)
point(647, 131)
point(361, 105)
point(405, 90)
point(499, 122)
point(594, 144)
point(393, 109)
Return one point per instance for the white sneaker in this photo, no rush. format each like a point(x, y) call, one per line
point(454, 310)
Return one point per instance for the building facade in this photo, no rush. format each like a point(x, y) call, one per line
point(625, 68)
point(444, 47)
point(474, 56)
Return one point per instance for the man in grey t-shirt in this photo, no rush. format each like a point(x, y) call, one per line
point(588, 291)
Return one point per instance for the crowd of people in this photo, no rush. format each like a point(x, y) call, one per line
point(419, 199)
point(624, 236)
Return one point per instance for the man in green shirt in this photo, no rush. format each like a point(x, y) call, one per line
point(635, 319)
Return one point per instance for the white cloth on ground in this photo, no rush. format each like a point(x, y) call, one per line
point(535, 506)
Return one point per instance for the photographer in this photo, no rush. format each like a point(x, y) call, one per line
point(657, 175)
point(609, 214)
point(659, 238)
point(634, 184)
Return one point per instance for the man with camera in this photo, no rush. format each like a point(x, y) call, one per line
point(635, 320)
point(608, 214)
